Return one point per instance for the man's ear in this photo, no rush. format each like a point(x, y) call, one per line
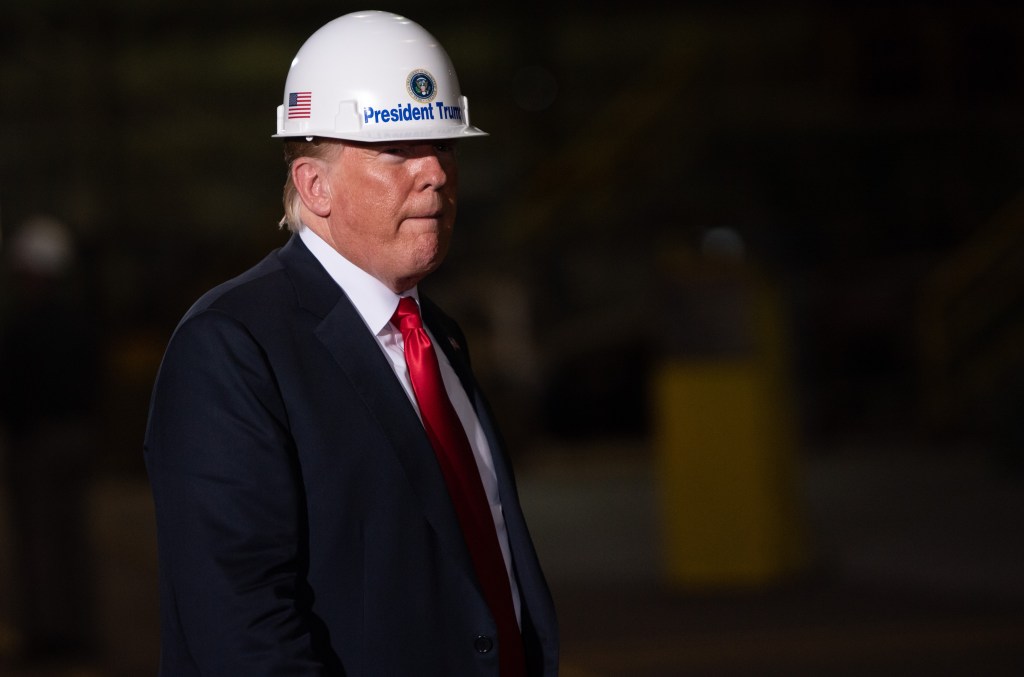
point(311, 181)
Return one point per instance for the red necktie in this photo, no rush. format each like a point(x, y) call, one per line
point(448, 437)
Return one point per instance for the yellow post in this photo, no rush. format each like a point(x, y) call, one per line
point(725, 447)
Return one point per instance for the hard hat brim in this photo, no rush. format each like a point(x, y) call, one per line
point(391, 135)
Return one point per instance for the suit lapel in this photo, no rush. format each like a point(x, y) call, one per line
point(356, 352)
point(453, 344)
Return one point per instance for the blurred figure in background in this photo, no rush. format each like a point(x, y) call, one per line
point(48, 377)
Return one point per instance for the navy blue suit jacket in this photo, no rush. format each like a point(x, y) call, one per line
point(304, 527)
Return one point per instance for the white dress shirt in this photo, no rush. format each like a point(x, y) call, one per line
point(376, 304)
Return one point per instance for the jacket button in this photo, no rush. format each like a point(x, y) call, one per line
point(483, 644)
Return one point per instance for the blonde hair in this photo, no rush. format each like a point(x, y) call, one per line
point(313, 147)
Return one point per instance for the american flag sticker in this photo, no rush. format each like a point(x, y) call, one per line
point(299, 104)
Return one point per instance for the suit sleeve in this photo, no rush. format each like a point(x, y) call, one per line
point(230, 508)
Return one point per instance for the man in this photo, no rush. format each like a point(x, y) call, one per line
point(332, 497)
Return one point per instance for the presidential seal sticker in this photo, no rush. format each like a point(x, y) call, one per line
point(421, 85)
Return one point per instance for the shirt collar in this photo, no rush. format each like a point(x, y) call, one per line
point(374, 301)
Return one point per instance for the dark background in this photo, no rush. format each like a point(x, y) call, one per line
point(861, 164)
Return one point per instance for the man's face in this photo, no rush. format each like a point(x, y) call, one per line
point(393, 207)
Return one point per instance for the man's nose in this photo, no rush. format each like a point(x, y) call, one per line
point(432, 168)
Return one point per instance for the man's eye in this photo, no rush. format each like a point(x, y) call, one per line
point(447, 148)
point(395, 151)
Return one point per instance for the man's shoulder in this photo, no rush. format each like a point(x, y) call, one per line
point(261, 284)
point(289, 274)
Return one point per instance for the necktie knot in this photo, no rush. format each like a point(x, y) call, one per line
point(407, 316)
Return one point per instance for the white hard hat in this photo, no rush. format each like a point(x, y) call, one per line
point(373, 76)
